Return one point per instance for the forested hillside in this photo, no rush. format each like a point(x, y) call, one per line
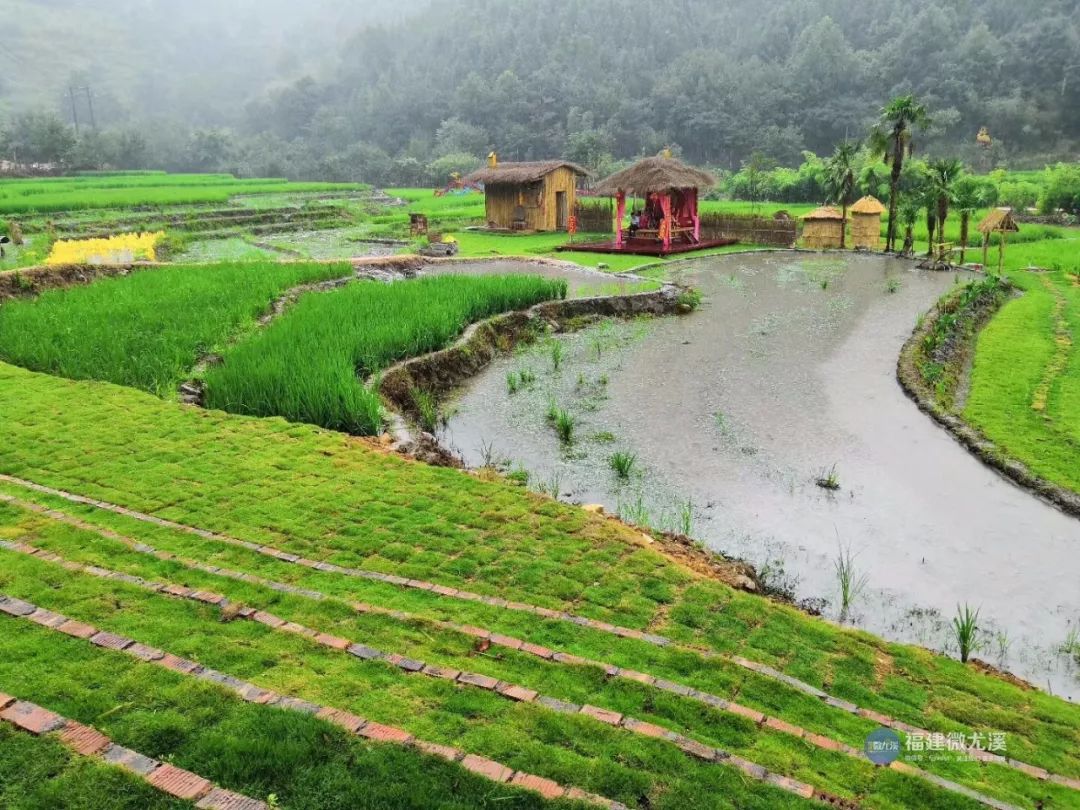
point(313, 91)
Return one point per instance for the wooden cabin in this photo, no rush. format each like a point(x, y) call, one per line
point(823, 229)
point(866, 223)
point(535, 196)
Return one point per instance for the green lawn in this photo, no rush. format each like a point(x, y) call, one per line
point(325, 496)
point(1025, 384)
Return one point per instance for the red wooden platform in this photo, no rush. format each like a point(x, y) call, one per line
point(645, 247)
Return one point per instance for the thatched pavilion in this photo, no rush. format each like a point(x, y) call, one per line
point(824, 228)
point(1001, 222)
point(535, 196)
point(669, 221)
point(866, 223)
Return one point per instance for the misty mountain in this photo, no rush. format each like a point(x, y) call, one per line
point(344, 90)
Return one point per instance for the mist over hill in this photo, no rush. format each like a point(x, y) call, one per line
point(357, 91)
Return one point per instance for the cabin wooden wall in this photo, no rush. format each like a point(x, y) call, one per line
point(866, 231)
point(538, 200)
point(822, 234)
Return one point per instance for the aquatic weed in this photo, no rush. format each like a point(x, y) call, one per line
point(966, 631)
point(851, 582)
point(623, 464)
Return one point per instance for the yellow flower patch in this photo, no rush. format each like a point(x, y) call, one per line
point(128, 247)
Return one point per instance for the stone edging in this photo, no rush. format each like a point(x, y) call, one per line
point(516, 644)
point(911, 381)
point(89, 742)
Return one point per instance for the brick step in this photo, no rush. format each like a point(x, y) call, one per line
point(452, 593)
point(89, 742)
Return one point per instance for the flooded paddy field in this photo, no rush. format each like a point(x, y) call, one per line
point(731, 415)
point(582, 282)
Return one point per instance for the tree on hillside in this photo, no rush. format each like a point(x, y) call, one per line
point(892, 138)
point(840, 177)
point(943, 177)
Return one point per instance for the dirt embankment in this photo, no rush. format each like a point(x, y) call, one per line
point(35, 280)
point(942, 399)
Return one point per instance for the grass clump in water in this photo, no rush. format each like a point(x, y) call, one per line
point(623, 464)
point(309, 365)
point(828, 479)
point(966, 631)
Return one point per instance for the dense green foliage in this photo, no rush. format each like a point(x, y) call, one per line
point(146, 330)
point(595, 81)
point(307, 365)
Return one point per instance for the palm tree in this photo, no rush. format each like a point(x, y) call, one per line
point(840, 179)
point(892, 138)
point(909, 212)
point(969, 196)
point(943, 176)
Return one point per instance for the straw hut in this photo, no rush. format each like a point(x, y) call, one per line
point(536, 196)
point(866, 223)
point(999, 221)
point(670, 190)
point(823, 229)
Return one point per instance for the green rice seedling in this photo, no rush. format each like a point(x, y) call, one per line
point(519, 477)
point(565, 425)
point(623, 464)
point(604, 437)
point(427, 409)
point(552, 486)
point(635, 512)
point(828, 479)
point(1071, 645)
point(851, 583)
point(966, 631)
point(684, 518)
point(512, 383)
point(558, 351)
point(893, 285)
point(552, 413)
point(526, 376)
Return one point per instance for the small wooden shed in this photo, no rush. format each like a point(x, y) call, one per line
point(823, 229)
point(866, 223)
point(1001, 222)
point(535, 196)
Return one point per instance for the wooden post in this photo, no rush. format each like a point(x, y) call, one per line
point(986, 249)
point(620, 212)
point(1001, 253)
point(665, 206)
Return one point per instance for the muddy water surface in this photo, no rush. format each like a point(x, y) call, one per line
point(785, 374)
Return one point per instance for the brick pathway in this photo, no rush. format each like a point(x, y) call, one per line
point(499, 640)
point(251, 693)
point(89, 742)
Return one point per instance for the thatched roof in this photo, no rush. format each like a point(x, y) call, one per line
point(825, 213)
point(518, 174)
point(655, 174)
point(998, 220)
point(868, 205)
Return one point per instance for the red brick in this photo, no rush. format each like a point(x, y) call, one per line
point(110, 641)
point(299, 629)
point(506, 641)
point(350, 722)
point(1036, 773)
point(333, 641)
point(209, 597)
point(790, 785)
point(603, 715)
point(823, 742)
point(903, 767)
point(696, 749)
point(46, 618)
point(83, 739)
point(31, 718)
point(640, 677)
point(268, 619)
point(179, 783)
point(221, 799)
point(537, 650)
point(648, 729)
point(749, 714)
point(442, 751)
point(381, 733)
point(129, 760)
point(487, 768)
point(144, 652)
point(477, 632)
point(77, 629)
point(442, 590)
point(1066, 781)
point(880, 719)
point(178, 590)
point(571, 660)
point(776, 724)
point(474, 679)
point(5, 700)
point(545, 787)
point(177, 664)
point(519, 693)
point(445, 673)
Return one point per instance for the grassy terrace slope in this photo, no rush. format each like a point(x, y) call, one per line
point(332, 498)
point(1025, 384)
point(147, 330)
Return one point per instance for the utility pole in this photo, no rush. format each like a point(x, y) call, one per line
point(74, 109)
